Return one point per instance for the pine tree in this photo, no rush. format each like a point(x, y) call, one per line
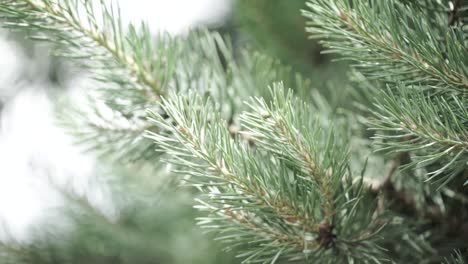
point(371, 170)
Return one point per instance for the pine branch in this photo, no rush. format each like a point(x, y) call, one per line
point(273, 203)
point(107, 133)
point(293, 195)
point(281, 130)
point(391, 42)
point(96, 40)
point(133, 68)
point(129, 69)
point(456, 258)
point(409, 51)
point(191, 133)
point(433, 129)
point(219, 165)
point(136, 230)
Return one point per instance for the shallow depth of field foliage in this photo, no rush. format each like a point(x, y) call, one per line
point(321, 131)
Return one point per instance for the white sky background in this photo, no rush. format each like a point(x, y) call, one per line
point(29, 140)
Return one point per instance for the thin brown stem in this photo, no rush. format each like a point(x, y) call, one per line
point(58, 12)
point(356, 27)
point(453, 14)
point(285, 211)
point(313, 170)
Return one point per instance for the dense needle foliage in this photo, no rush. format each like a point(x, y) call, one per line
point(373, 169)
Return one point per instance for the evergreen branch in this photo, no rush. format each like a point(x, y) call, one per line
point(112, 136)
point(246, 229)
point(217, 164)
point(400, 48)
point(232, 182)
point(408, 53)
point(135, 231)
point(95, 43)
point(269, 199)
point(209, 64)
point(455, 13)
point(130, 69)
point(279, 128)
point(433, 129)
point(133, 68)
point(291, 197)
point(456, 258)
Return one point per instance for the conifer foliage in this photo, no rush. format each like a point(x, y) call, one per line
point(274, 168)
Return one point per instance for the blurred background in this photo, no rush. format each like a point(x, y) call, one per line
point(35, 153)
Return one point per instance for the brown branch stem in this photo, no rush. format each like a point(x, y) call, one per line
point(453, 14)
